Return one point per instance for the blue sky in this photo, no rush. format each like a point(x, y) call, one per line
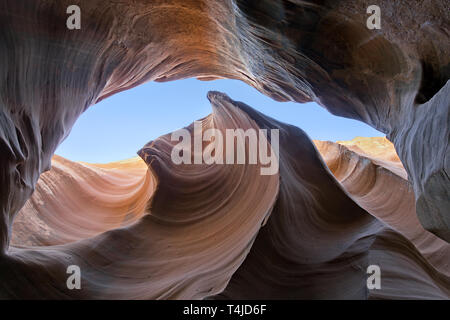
point(117, 127)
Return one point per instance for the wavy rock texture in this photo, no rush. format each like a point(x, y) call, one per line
point(394, 79)
point(205, 233)
point(371, 172)
point(75, 201)
point(200, 224)
point(319, 242)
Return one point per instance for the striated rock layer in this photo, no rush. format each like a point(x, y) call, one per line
point(225, 231)
point(394, 79)
point(74, 201)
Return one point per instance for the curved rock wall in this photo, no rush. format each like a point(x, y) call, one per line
point(225, 231)
point(395, 79)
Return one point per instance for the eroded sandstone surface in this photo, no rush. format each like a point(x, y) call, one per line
point(394, 79)
point(217, 231)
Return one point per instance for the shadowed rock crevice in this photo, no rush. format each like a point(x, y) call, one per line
point(431, 82)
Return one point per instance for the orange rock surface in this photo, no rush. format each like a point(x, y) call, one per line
point(225, 231)
point(195, 232)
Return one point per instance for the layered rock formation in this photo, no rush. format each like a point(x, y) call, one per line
point(395, 79)
point(225, 231)
point(75, 201)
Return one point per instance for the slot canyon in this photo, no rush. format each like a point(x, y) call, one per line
point(146, 228)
